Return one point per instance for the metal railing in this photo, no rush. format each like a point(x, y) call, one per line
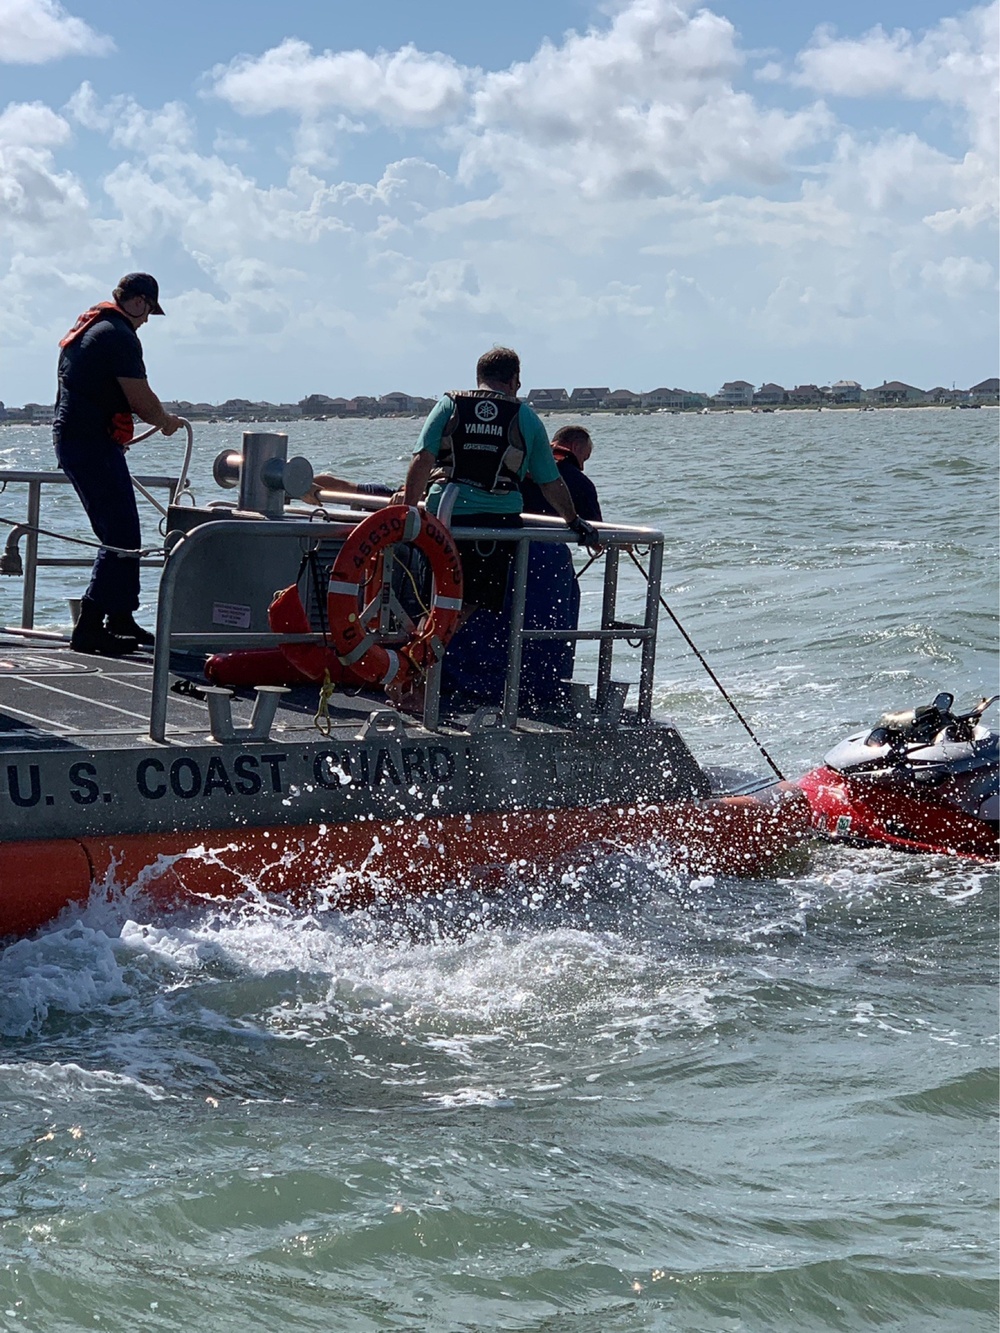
point(32, 561)
point(338, 525)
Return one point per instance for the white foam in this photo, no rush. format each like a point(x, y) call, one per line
point(67, 971)
point(67, 1081)
point(461, 1098)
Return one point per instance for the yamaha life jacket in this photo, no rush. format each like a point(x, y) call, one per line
point(481, 444)
point(122, 428)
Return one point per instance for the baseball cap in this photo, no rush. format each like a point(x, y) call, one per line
point(141, 284)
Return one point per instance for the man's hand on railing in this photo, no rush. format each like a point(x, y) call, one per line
point(171, 423)
point(587, 533)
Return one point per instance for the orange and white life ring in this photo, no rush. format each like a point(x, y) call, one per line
point(353, 653)
point(355, 641)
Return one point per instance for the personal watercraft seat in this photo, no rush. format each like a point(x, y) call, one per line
point(928, 723)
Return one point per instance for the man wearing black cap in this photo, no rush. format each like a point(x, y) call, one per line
point(102, 383)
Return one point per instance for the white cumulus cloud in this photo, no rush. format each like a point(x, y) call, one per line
point(33, 32)
point(31, 125)
point(404, 87)
point(959, 275)
point(644, 106)
point(34, 194)
point(628, 205)
point(43, 214)
point(955, 63)
point(129, 126)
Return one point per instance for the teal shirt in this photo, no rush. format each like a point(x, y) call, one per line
point(538, 463)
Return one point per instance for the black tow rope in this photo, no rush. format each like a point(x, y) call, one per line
point(718, 683)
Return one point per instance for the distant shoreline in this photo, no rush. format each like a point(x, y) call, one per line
point(579, 413)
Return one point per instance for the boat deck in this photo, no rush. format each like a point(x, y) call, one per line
point(54, 699)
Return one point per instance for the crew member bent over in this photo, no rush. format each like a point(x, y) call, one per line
point(484, 441)
point(102, 382)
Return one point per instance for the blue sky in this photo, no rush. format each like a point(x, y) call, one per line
point(352, 199)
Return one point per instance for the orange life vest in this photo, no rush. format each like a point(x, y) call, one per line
point(122, 424)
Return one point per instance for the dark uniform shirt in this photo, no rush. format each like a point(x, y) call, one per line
point(89, 368)
point(580, 487)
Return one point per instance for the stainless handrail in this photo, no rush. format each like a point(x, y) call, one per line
point(183, 546)
point(35, 480)
point(613, 539)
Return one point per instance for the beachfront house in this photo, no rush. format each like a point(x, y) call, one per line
point(677, 400)
point(892, 392)
point(805, 395)
point(846, 391)
point(320, 405)
point(395, 403)
point(181, 407)
point(987, 391)
point(31, 414)
point(770, 395)
point(735, 393)
point(621, 399)
point(548, 400)
point(585, 400)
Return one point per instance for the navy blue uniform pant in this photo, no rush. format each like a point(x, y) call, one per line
point(100, 476)
point(475, 665)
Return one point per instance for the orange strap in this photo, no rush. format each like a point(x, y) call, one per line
point(85, 320)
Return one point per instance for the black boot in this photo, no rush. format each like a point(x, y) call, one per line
point(90, 635)
point(123, 623)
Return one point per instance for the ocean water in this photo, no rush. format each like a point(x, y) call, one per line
point(620, 1099)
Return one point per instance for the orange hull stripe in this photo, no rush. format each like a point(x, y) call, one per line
point(37, 880)
point(350, 862)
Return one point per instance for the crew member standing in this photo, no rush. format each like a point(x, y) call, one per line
point(475, 666)
point(553, 594)
point(571, 448)
point(102, 383)
point(485, 441)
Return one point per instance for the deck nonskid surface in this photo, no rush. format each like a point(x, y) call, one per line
point(50, 696)
point(53, 698)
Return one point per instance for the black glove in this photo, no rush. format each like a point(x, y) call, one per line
point(588, 534)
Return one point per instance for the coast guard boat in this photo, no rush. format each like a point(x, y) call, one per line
point(297, 777)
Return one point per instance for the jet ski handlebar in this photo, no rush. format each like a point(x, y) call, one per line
point(926, 723)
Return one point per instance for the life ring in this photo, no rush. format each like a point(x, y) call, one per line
point(352, 655)
point(354, 640)
point(304, 662)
